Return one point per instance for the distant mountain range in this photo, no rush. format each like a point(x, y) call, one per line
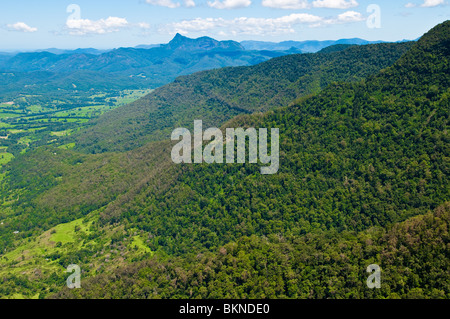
point(129, 67)
point(305, 46)
point(182, 55)
point(144, 66)
point(77, 51)
point(162, 63)
point(310, 46)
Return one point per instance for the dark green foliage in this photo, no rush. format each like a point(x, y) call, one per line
point(352, 157)
point(413, 256)
point(335, 48)
point(74, 187)
point(218, 95)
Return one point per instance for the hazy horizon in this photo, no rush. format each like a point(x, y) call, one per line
point(106, 25)
point(156, 44)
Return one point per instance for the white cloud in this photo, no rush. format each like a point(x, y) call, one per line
point(102, 26)
point(170, 3)
point(432, 3)
point(286, 4)
point(189, 3)
point(335, 4)
point(144, 25)
point(163, 3)
point(21, 27)
point(350, 16)
point(304, 4)
point(257, 26)
point(426, 4)
point(346, 17)
point(229, 4)
point(198, 24)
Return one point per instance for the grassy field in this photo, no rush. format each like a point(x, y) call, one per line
point(5, 158)
point(66, 233)
point(30, 254)
point(48, 254)
point(140, 245)
point(24, 122)
point(67, 146)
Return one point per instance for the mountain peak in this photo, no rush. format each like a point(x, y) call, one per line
point(178, 35)
point(178, 40)
point(181, 42)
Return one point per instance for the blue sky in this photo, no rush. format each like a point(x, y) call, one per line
point(40, 24)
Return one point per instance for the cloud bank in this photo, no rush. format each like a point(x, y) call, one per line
point(102, 26)
point(258, 26)
point(21, 27)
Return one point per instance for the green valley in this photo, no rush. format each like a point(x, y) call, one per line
point(363, 179)
point(32, 120)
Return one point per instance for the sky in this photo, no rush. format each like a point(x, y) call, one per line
point(106, 24)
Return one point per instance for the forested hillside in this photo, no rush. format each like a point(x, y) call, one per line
point(363, 179)
point(413, 256)
point(218, 95)
point(56, 183)
point(354, 156)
